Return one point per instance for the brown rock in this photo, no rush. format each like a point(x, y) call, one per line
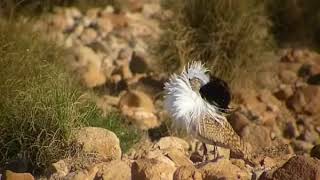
point(115, 169)
point(9, 175)
point(172, 142)
point(284, 92)
point(139, 63)
point(88, 64)
point(137, 99)
point(312, 96)
point(126, 72)
point(238, 121)
point(88, 36)
point(117, 20)
point(305, 99)
point(224, 169)
point(84, 174)
point(105, 24)
point(152, 169)
point(179, 158)
point(139, 109)
point(159, 156)
point(288, 77)
point(93, 77)
point(187, 173)
point(258, 136)
point(60, 168)
point(299, 167)
point(98, 140)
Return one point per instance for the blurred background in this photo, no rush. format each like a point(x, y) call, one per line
point(68, 65)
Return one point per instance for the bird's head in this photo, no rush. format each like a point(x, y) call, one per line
point(196, 84)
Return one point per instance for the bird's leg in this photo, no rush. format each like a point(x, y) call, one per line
point(205, 153)
point(215, 152)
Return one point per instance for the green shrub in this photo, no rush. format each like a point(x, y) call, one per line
point(230, 36)
point(39, 102)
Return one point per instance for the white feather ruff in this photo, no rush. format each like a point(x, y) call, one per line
point(185, 106)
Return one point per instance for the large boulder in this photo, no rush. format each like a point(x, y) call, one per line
point(100, 141)
point(298, 167)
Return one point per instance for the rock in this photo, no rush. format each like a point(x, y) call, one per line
point(60, 168)
point(9, 175)
point(312, 96)
point(137, 99)
point(117, 20)
point(84, 174)
point(305, 99)
point(159, 156)
point(138, 63)
point(172, 142)
point(92, 13)
point(106, 103)
point(88, 36)
point(288, 77)
point(284, 92)
point(115, 169)
point(152, 169)
point(291, 130)
point(315, 151)
point(151, 9)
point(139, 109)
point(301, 146)
point(93, 77)
point(187, 173)
point(88, 63)
point(258, 136)
point(98, 140)
point(298, 167)
point(180, 159)
point(61, 22)
point(223, 169)
point(105, 25)
point(238, 121)
point(126, 72)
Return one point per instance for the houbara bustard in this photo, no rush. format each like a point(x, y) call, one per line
point(191, 104)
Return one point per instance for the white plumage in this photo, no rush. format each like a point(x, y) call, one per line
point(186, 106)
